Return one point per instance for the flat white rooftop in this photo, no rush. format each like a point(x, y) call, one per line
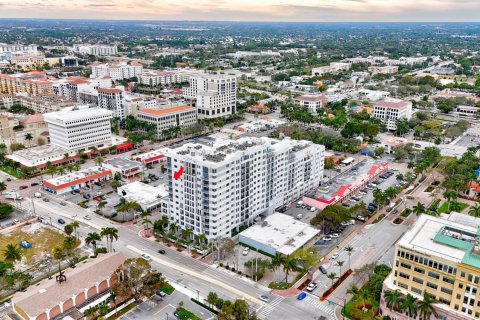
point(145, 195)
point(282, 233)
point(76, 177)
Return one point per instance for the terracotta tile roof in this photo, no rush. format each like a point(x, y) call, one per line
point(77, 80)
point(109, 90)
point(311, 98)
point(32, 118)
point(49, 293)
point(156, 112)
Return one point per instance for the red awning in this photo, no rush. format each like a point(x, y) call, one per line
point(123, 146)
point(151, 159)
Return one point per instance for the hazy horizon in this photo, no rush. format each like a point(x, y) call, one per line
point(248, 10)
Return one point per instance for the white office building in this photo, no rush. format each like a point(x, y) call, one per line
point(334, 67)
point(392, 110)
point(312, 101)
point(9, 48)
point(80, 127)
point(112, 99)
point(217, 185)
point(215, 95)
point(95, 49)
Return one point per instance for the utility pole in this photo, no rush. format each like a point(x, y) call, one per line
point(33, 207)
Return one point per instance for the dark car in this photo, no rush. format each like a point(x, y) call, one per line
point(322, 269)
point(23, 187)
point(76, 190)
point(73, 192)
point(161, 251)
point(9, 179)
point(61, 221)
point(46, 199)
point(86, 196)
point(114, 215)
point(34, 184)
point(98, 183)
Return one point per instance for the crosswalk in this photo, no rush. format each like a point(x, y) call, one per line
point(266, 310)
point(323, 306)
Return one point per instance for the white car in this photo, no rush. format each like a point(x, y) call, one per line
point(246, 251)
point(334, 235)
point(87, 217)
point(312, 286)
point(146, 257)
point(334, 256)
point(327, 238)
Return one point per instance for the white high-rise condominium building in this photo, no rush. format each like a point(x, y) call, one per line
point(117, 71)
point(112, 99)
point(392, 110)
point(9, 48)
point(215, 95)
point(217, 185)
point(80, 127)
point(95, 49)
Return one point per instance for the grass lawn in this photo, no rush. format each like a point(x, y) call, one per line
point(168, 289)
point(444, 207)
point(184, 314)
point(12, 172)
point(353, 309)
point(43, 239)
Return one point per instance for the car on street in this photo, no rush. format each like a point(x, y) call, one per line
point(34, 184)
point(161, 251)
point(334, 256)
point(16, 221)
point(246, 251)
point(301, 295)
point(264, 298)
point(23, 187)
point(63, 203)
point(76, 190)
point(146, 257)
point(46, 199)
point(73, 192)
point(361, 218)
point(312, 286)
point(322, 269)
point(87, 217)
point(61, 221)
point(327, 238)
point(86, 196)
point(175, 314)
point(37, 195)
point(334, 235)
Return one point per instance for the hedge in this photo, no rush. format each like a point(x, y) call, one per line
point(203, 305)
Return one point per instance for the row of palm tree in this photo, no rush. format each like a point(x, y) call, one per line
point(109, 233)
point(288, 263)
point(411, 306)
point(383, 197)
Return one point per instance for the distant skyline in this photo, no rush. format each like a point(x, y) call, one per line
point(248, 10)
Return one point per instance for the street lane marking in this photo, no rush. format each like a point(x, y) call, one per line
point(200, 276)
point(263, 314)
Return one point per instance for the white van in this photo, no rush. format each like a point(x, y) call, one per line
point(300, 203)
point(37, 195)
point(299, 216)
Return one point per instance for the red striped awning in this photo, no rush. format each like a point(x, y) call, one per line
point(125, 145)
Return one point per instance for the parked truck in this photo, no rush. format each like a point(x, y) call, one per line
point(12, 195)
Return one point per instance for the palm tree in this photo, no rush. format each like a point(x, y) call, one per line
point(146, 223)
point(475, 211)
point(419, 208)
point(353, 290)
point(110, 234)
point(185, 233)
point(393, 300)
point(409, 306)
point(349, 250)
point(57, 252)
point(455, 206)
point(276, 262)
point(332, 276)
point(69, 244)
point(364, 295)
point(92, 238)
point(3, 186)
point(425, 306)
point(199, 238)
point(29, 138)
point(289, 264)
point(173, 227)
point(450, 195)
point(12, 254)
point(340, 265)
point(75, 225)
point(99, 160)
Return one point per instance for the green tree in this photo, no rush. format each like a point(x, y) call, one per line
point(409, 306)
point(68, 229)
point(475, 211)
point(289, 264)
point(75, 225)
point(29, 138)
point(109, 234)
point(349, 249)
point(419, 208)
point(393, 300)
point(425, 306)
point(6, 210)
point(332, 276)
point(236, 311)
point(12, 253)
point(92, 239)
point(211, 298)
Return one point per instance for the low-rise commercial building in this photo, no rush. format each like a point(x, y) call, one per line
point(334, 67)
point(86, 286)
point(127, 168)
point(312, 101)
point(441, 257)
point(148, 197)
point(151, 157)
point(278, 233)
point(76, 180)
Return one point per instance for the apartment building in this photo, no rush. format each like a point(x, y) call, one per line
point(217, 185)
point(383, 70)
point(334, 67)
point(34, 83)
point(9, 48)
point(117, 71)
point(168, 117)
point(44, 103)
point(214, 95)
point(112, 99)
point(95, 49)
point(24, 60)
point(154, 78)
point(80, 127)
point(312, 101)
point(441, 257)
point(392, 110)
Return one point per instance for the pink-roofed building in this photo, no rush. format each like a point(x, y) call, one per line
point(392, 110)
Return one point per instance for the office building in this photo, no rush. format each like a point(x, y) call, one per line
point(80, 128)
point(24, 60)
point(214, 95)
point(95, 49)
point(217, 185)
point(168, 117)
point(441, 257)
point(383, 70)
point(9, 48)
point(312, 101)
point(391, 110)
point(112, 99)
point(334, 67)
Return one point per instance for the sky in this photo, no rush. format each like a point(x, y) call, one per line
point(247, 10)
